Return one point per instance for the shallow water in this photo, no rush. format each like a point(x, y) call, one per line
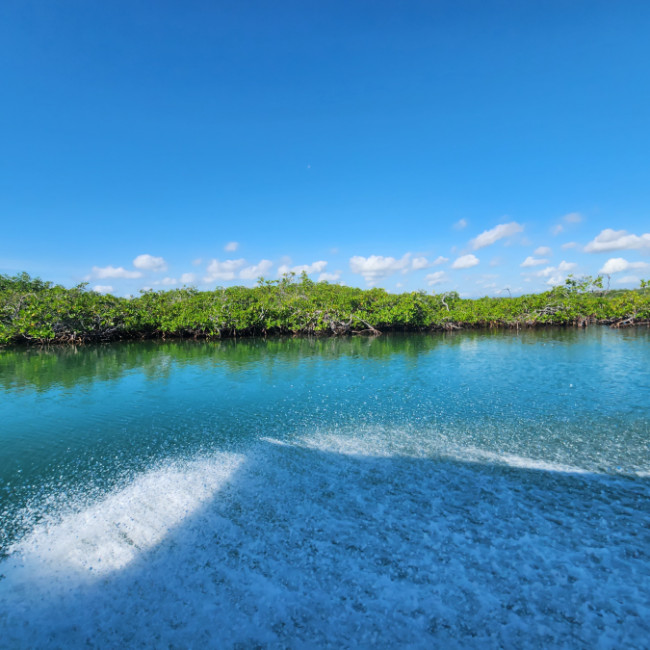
point(472, 490)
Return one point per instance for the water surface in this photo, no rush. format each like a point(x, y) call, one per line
point(479, 489)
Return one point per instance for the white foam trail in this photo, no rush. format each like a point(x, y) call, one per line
point(523, 462)
point(311, 549)
point(110, 534)
point(384, 444)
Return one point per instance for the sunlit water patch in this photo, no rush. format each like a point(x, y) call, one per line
point(486, 491)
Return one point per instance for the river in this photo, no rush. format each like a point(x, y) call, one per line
point(478, 489)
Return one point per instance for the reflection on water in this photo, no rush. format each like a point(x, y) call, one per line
point(44, 368)
point(498, 475)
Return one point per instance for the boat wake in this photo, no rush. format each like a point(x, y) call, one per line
point(327, 541)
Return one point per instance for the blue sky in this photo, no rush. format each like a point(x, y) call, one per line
point(470, 146)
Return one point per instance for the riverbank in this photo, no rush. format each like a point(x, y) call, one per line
point(33, 311)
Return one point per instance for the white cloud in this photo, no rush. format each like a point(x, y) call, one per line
point(531, 261)
point(459, 225)
point(225, 270)
point(231, 246)
point(629, 279)
point(114, 272)
point(314, 267)
point(571, 218)
point(420, 263)
point(569, 244)
point(377, 266)
point(436, 278)
point(440, 260)
point(618, 264)
point(465, 262)
point(556, 279)
point(188, 278)
point(545, 273)
point(543, 250)
point(255, 271)
point(566, 266)
point(614, 240)
point(329, 277)
point(489, 237)
point(556, 272)
point(150, 263)
point(103, 288)
point(496, 261)
point(168, 282)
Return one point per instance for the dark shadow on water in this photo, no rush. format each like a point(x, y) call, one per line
point(310, 548)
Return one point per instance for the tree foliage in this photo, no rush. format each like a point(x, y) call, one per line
point(35, 311)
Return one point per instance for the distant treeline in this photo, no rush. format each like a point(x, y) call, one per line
point(35, 311)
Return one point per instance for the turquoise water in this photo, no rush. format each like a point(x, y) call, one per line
point(477, 489)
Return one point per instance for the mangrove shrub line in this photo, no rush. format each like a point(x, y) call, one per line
point(35, 311)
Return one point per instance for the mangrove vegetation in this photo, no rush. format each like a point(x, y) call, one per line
point(36, 311)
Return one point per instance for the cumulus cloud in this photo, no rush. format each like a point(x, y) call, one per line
point(377, 266)
point(556, 274)
point(329, 277)
point(460, 224)
point(436, 278)
point(103, 288)
point(420, 263)
point(569, 244)
point(114, 272)
point(256, 270)
point(314, 267)
point(532, 261)
point(440, 260)
point(489, 237)
point(618, 264)
point(614, 240)
point(231, 246)
point(150, 263)
point(168, 282)
point(543, 250)
point(555, 279)
point(465, 262)
point(188, 278)
point(225, 270)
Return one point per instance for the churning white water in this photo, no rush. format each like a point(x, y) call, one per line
point(330, 541)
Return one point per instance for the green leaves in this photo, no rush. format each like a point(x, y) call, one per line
point(35, 311)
